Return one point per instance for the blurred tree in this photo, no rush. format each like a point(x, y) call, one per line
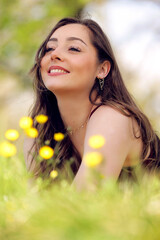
point(23, 26)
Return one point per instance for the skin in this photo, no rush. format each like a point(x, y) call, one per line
point(121, 148)
point(72, 91)
point(78, 56)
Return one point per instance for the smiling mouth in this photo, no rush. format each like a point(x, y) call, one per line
point(57, 71)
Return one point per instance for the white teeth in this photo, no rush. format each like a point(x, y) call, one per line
point(57, 70)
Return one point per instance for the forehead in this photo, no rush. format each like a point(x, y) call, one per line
point(73, 30)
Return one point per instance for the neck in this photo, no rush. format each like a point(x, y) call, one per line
point(74, 111)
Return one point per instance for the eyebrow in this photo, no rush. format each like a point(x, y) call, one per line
point(68, 39)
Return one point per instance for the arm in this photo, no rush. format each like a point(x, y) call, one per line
point(116, 129)
point(31, 164)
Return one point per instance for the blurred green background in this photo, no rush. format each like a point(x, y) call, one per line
point(23, 26)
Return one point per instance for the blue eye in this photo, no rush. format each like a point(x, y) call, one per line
point(74, 49)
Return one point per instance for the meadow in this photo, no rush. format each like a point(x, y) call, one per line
point(36, 210)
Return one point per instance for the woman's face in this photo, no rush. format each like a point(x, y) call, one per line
point(70, 63)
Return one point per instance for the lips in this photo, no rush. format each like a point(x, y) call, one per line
point(57, 70)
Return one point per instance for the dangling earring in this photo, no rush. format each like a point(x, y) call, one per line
point(101, 83)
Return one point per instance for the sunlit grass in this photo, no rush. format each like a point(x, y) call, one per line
point(36, 209)
point(33, 211)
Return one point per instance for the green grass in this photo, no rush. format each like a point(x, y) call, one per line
point(33, 211)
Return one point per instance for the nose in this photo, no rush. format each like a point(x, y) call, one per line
point(56, 55)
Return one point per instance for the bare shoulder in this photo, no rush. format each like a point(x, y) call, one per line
point(113, 125)
point(120, 142)
point(104, 109)
point(117, 130)
point(109, 119)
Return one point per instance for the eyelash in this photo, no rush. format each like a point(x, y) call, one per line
point(76, 49)
point(48, 49)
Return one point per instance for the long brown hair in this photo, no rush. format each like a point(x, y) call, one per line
point(114, 94)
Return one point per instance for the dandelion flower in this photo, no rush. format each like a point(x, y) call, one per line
point(58, 136)
point(53, 174)
point(93, 159)
point(31, 132)
point(26, 122)
point(96, 141)
point(12, 134)
point(41, 118)
point(46, 152)
point(47, 142)
point(7, 149)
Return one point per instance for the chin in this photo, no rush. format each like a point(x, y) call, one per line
point(57, 89)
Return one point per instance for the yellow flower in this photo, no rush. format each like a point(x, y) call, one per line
point(58, 136)
point(26, 122)
point(96, 141)
point(93, 159)
point(53, 174)
point(31, 132)
point(12, 134)
point(41, 118)
point(7, 149)
point(46, 152)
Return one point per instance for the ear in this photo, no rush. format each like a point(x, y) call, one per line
point(104, 69)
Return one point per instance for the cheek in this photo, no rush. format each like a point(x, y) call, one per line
point(43, 67)
point(43, 63)
point(86, 65)
point(90, 67)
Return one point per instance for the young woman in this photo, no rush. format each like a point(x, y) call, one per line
point(78, 85)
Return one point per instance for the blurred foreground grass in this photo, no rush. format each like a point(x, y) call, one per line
point(63, 213)
point(32, 211)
